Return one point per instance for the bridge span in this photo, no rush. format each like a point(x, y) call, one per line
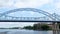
point(47, 17)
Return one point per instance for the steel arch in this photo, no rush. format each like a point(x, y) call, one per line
point(29, 9)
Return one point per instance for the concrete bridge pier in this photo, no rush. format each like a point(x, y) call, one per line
point(55, 28)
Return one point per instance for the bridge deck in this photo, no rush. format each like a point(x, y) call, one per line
point(24, 21)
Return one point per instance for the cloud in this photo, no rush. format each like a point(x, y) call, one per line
point(30, 3)
point(6, 3)
point(57, 5)
point(23, 3)
point(15, 24)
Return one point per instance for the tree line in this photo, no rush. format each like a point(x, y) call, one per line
point(38, 27)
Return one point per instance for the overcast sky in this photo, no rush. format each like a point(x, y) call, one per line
point(51, 6)
point(15, 24)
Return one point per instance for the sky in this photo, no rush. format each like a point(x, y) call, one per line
point(50, 6)
point(15, 24)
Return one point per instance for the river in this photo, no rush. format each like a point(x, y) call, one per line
point(23, 31)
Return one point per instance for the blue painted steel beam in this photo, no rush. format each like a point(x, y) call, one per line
point(26, 21)
point(29, 9)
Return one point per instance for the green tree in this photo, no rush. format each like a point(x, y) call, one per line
point(45, 27)
point(36, 27)
point(28, 27)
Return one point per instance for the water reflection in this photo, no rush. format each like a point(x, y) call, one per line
point(16, 31)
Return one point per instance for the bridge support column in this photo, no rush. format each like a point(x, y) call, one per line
point(55, 28)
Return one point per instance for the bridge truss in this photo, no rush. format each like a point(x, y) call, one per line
point(51, 17)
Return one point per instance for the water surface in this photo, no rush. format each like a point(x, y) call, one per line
point(23, 31)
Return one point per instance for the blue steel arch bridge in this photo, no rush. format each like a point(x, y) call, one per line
point(51, 17)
